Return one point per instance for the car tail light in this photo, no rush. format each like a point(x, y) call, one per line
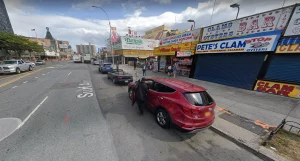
point(185, 110)
point(131, 77)
point(120, 77)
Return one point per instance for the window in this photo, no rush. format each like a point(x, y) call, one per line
point(19, 62)
point(107, 65)
point(162, 88)
point(199, 98)
point(10, 62)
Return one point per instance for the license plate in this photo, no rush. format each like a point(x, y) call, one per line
point(206, 114)
point(126, 81)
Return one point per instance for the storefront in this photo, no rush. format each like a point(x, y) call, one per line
point(184, 63)
point(235, 62)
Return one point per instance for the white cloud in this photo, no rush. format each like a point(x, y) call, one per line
point(78, 31)
point(163, 1)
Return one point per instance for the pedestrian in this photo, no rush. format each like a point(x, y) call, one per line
point(169, 70)
point(144, 70)
point(140, 94)
point(134, 64)
point(174, 70)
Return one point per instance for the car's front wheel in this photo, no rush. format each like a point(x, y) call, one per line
point(18, 71)
point(30, 68)
point(163, 118)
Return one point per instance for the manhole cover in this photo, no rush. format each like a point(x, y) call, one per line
point(8, 126)
point(65, 85)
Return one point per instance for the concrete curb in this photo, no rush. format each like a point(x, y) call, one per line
point(241, 144)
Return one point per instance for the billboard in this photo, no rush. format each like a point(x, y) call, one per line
point(283, 89)
point(155, 33)
point(190, 36)
point(138, 43)
point(63, 46)
point(262, 22)
point(293, 27)
point(250, 44)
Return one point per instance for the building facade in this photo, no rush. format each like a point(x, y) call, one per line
point(86, 49)
point(5, 24)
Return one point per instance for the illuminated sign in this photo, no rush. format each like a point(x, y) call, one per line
point(283, 89)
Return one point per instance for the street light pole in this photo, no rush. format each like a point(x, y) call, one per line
point(193, 22)
point(110, 43)
point(236, 5)
point(37, 41)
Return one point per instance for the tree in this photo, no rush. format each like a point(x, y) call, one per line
point(18, 44)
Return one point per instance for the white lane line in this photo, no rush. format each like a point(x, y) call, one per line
point(37, 107)
point(69, 73)
point(43, 74)
point(25, 82)
point(48, 72)
point(36, 77)
point(14, 87)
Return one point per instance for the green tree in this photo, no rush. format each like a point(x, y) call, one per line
point(18, 44)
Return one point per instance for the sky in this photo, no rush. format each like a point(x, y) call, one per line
point(78, 22)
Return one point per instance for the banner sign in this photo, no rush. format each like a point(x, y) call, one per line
point(291, 48)
point(155, 33)
point(171, 49)
point(114, 37)
point(219, 31)
point(294, 25)
point(190, 36)
point(183, 53)
point(283, 89)
point(251, 44)
point(138, 43)
point(262, 22)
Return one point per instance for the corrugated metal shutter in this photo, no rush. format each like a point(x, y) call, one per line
point(284, 68)
point(232, 69)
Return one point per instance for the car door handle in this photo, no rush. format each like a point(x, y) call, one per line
point(160, 97)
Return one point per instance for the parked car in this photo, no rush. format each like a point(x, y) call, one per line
point(179, 103)
point(105, 67)
point(32, 63)
point(15, 66)
point(40, 62)
point(96, 62)
point(119, 76)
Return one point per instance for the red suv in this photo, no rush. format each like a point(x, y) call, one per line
point(179, 103)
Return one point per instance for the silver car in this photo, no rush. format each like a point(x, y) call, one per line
point(15, 66)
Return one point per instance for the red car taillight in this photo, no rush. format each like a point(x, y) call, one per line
point(185, 110)
point(120, 77)
point(131, 77)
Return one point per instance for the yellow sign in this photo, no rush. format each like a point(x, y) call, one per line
point(171, 49)
point(283, 89)
point(295, 48)
point(155, 33)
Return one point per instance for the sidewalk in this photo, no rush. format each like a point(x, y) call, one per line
point(242, 115)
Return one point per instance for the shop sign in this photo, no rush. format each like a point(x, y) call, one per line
point(186, 37)
point(252, 44)
point(138, 43)
point(183, 53)
point(293, 27)
point(171, 49)
point(282, 89)
point(155, 33)
point(262, 22)
point(291, 48)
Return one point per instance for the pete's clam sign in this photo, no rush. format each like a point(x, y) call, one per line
point(282, 89)
point(252, 44)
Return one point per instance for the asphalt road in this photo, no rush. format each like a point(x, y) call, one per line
point(68, 111)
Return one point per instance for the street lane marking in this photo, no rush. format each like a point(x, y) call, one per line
point(86, 88)
point(43, 74)
point(69, 73)
point(48, 72)
point(14, 87)
point(25, 82)
point(66, 118)
point(37, 107)
point(11, 81)
point(36, 77)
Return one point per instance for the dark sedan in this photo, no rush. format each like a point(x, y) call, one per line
point(119, 76)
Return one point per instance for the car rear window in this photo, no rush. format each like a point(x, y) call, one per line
point(199, 98)
point(107, 65)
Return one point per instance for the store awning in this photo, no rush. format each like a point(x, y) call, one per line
point(130, 56)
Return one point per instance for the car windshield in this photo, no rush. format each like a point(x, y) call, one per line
point(199, 98)
point(10, 62)
point(107, 65)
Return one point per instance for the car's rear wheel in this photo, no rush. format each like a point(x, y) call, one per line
point(30, 68)
point(18, 71)
point(163, 118)
point(130, 93)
